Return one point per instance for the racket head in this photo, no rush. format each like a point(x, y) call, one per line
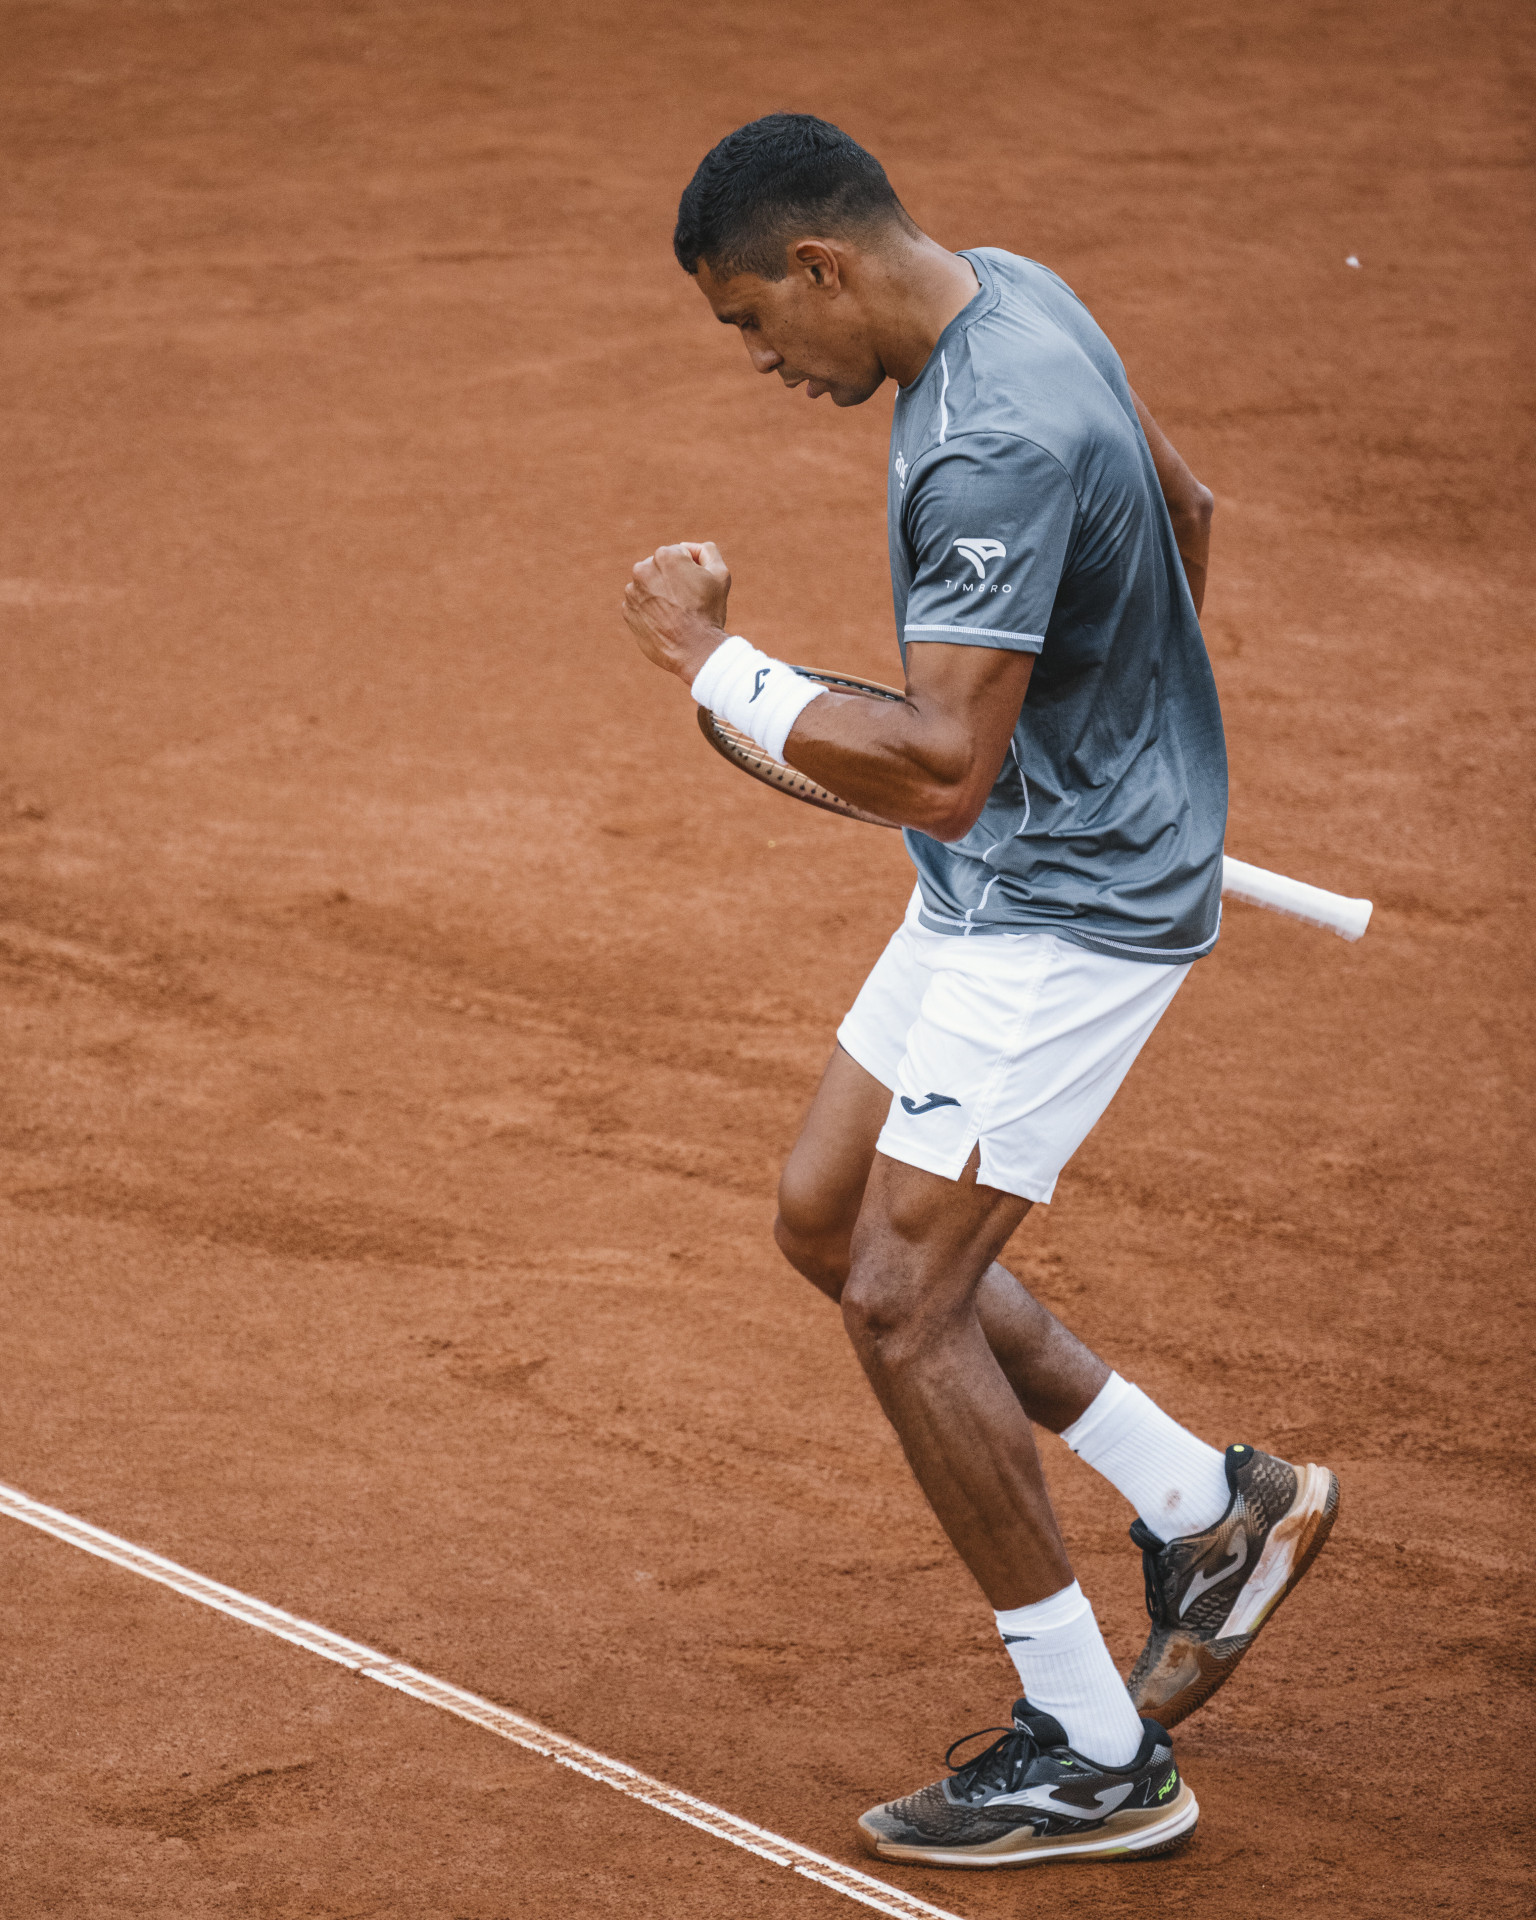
point(744, 752)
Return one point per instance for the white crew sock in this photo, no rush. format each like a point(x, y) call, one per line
point(1175, 1482)
point(1065, 1670)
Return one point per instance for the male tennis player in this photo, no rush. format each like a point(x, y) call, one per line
point(1059, 770)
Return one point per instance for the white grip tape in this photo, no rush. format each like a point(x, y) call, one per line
point(1336, 911)
point(758, 695)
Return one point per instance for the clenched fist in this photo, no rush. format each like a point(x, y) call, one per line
point(675, 606)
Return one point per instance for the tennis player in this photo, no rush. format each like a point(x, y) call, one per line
point(1059, 770)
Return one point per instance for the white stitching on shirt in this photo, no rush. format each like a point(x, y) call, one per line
point(1125, 946)
point(971, 912)
point(1064, 930)
point(943, 410)
point(954, 626)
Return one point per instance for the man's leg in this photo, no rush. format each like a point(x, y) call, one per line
point(1176, 1482)
point(1180, 1486)
point(921, 1245)
point(1055, 1377)
point(1079, 1772)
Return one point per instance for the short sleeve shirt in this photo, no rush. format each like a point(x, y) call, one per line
point(1025, 513)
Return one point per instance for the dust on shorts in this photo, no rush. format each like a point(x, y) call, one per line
point(1015, 1041)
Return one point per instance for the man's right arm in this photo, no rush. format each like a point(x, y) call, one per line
point(990, 519)
point(1189, 504)
point(927, 761)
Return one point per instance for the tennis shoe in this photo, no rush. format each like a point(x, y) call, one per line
point(1210, 1593)
point(1029, 1798)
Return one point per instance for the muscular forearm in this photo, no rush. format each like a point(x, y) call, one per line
point(930, 761)
point(914, 768)
point(912, 760)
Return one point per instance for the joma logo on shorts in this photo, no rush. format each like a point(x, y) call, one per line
point(927, 1106)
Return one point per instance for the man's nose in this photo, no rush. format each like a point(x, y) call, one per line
point(765, 360)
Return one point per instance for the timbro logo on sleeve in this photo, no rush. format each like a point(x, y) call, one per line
point(979, 552)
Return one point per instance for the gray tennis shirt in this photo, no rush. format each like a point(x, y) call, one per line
point(1025, 513)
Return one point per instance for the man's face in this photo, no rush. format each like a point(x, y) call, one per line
point(807, 328)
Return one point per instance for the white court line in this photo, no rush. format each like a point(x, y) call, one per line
point(826, 1872)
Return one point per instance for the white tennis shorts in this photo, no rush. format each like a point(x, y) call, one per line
point(1015, 1041)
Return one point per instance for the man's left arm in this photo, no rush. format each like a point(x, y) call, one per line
point(1189, 504)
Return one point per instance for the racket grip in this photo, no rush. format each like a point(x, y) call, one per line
point(1316, 905)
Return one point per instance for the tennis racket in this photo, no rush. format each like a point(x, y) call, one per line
point(1336, 911)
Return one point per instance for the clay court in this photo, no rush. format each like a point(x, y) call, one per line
point(405, 1014)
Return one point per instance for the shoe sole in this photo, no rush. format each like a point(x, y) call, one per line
point(1294, 1543)
point(1122, 1837)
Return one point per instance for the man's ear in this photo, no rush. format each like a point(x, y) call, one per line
point(819, 263)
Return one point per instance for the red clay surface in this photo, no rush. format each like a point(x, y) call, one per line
point(405, 1013)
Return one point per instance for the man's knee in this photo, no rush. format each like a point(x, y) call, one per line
point(890, 1311)
point(919, 1251)
point(821, 1262)
point(811, 1234)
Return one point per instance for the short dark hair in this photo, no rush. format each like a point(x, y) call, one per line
point(769, 177)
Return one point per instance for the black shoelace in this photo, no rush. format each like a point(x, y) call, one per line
point(1151, 1550)
point(999, 1768)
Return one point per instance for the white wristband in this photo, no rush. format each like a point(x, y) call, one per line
point(758, 695)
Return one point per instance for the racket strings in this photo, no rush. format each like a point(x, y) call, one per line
point(737, 746)
point(744, 752)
